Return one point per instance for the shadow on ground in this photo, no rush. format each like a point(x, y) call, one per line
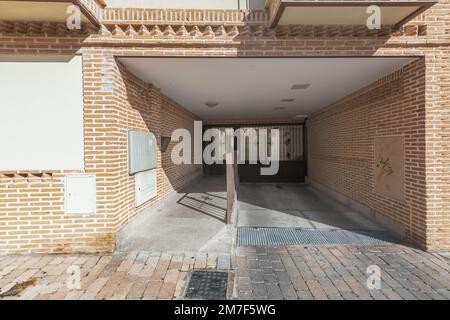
point(192, 220)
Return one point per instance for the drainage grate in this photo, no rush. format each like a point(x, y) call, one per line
point(248, 236)
point(207, 285)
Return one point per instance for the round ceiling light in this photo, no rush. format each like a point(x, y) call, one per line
point(211, 104)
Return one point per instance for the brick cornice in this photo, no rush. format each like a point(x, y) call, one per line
point(131, 33)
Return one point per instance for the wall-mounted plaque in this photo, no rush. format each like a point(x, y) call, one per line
point(389, 166)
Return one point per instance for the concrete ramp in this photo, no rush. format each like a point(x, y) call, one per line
point(190, 221)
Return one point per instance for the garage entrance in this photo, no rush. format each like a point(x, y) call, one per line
point(292, 157)
point(286, 94)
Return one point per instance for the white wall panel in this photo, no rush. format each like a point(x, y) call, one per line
point(145, 186)
point(41, 113)
point(142, 151)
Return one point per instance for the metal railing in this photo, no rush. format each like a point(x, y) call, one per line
point(183, 16)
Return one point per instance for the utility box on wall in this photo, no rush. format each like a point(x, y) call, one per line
point(145, 186)
point(80, 194)
point(142, 153)
point(142, 162)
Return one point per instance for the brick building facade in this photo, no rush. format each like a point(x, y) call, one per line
point(413, 102)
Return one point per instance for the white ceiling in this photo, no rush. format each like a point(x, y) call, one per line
point(253, 87)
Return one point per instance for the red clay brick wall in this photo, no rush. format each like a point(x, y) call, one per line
point(342, 138)
point(30, 225)
point(32, 215)
point(144, 108)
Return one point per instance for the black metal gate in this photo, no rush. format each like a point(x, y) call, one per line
point(292, 156)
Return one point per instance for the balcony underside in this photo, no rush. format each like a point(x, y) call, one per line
point(277, 13)
point(305, 12)
point(50, 10)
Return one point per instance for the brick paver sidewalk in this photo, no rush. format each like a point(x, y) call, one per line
point(322, 272)
point(137, 275)
point(340, 272)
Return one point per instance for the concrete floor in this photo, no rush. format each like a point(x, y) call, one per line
point(190, 221)
point(295, 206)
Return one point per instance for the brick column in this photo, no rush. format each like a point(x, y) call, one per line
point(101, 142)
point(437, 151)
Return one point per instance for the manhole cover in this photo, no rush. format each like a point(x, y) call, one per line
point(207, 285)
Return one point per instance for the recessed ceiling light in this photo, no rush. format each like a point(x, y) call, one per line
point(211, 104)
point(300, 86)
point(287, 100)
point(301, 116)
point(279, 108)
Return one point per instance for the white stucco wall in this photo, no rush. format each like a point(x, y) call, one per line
point(41, 113)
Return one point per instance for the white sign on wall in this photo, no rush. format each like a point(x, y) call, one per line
point(41, 113)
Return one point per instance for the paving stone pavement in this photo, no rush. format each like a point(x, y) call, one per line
point(294, 272)
point(340, 272)
point(135, 275)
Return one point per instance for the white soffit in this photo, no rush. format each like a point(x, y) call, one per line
point(254, 87)
point(35, 11)
point(343, 15)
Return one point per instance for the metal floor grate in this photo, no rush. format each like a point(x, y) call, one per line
point(207, 285)
point(249, 236)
